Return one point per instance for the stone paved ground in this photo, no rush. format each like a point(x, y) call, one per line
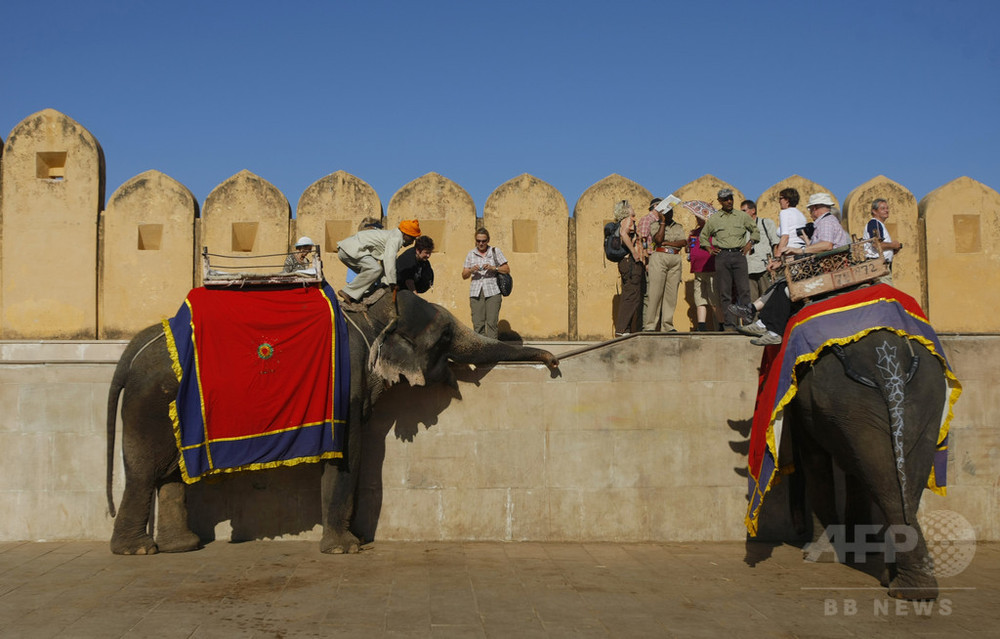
point(289, 589)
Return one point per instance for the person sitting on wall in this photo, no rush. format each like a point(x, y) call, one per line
point(876, 228)
point(301, 259)
point(372, 255)
point(778, 309)
point(413, 267)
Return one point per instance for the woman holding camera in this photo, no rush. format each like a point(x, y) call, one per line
point(482, 265)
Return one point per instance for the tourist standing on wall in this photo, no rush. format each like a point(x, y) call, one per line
point(632, 269)
point(876, 228)
point(727, 232)
point(663, 270)
point(760, 254)
point(482, 264)
point(703, 267)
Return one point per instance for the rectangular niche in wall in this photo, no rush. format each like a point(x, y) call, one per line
point(434, 229)
point(244, 236)
point(150, 236)
point(525, 236)
point(335, 231)
point(967, 234)
point(50, 165)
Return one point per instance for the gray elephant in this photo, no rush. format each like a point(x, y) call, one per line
point(414, 340)
point(874, 407)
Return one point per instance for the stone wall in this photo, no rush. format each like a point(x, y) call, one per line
point(71, 268)
point(641, 439)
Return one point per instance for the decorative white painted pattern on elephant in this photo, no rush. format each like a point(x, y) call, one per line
point(894, 389)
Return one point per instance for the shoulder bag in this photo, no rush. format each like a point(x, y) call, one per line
point(504, 280)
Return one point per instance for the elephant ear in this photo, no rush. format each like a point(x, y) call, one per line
point(414, 346)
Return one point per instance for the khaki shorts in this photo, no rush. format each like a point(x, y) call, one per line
point(704, 290)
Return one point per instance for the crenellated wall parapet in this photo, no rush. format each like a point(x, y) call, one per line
point(75, 267)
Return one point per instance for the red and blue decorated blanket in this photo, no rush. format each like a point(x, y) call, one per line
point(264, 378)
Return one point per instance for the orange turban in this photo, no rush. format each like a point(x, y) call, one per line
point(410, 227)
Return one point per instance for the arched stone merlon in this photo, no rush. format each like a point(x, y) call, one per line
point(244, 217)
point(909, 272)
point(962, 219)
point(528, 219)
point(705, 188)
point(447, 214)
point(53, 191)
point(330, 210)
point(147, 261)
point(767, 202)
point(595, 284)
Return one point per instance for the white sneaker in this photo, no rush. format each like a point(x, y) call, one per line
point(753, 330)
point(767, 339)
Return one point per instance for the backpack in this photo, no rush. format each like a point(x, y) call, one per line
point(614, 250)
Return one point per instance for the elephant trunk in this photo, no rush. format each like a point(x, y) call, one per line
point(469, 347)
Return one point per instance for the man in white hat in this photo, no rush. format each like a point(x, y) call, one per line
point(301, 259)
point(827, 234)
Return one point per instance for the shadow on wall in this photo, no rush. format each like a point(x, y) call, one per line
point(266, 504)
point(776, 524)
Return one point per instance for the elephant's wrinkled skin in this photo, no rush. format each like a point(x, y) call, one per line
point(419, 342)
point(838, 417)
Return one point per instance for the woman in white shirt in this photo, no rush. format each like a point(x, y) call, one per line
point(790, 222)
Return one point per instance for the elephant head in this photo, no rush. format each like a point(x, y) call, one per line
point(395, 337)
point(419, 340)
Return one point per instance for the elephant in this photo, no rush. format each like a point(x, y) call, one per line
point(396, 337)
point(874, 407)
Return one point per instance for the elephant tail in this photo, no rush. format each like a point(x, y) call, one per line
point(117, 384)
point(891, 383)
point(118, 381)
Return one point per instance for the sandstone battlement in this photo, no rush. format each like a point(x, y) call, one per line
point(75, 267)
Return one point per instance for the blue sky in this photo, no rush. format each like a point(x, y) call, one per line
point(481, 92)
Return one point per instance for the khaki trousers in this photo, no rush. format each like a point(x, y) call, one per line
point(662, 280)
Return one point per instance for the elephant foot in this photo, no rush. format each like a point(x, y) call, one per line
point(820, 551)
point(919, 587)
point(179, 542)
point(339, 543)
point(141, 546)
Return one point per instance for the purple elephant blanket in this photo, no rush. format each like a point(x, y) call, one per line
point(841, 319)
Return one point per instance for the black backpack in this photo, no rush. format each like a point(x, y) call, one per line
point(614, 250)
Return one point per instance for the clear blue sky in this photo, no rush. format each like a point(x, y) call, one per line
point(568, 91)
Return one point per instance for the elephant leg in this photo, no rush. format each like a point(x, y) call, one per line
point(172, 531)
point(131, 531)
point(340, 480)
point(909, 573)
point(338, 490)
point(912, 575)
point(817, 466)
